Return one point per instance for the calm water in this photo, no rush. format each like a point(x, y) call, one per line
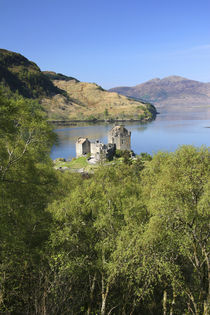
point(166, 133)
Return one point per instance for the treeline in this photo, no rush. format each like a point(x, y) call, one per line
point(130, 239)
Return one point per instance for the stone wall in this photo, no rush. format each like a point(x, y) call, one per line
point(123, 143)
point(102, 151)
point(82, 147)
point(120, 136)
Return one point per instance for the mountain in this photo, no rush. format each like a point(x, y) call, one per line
point(64, 97)
point(172, 93)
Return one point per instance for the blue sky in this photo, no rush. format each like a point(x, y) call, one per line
point(111, 42)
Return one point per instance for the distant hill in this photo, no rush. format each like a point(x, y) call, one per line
point(90, 101)
point(172, 93)
point(64, 97)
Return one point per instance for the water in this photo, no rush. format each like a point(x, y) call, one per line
point(166, 133)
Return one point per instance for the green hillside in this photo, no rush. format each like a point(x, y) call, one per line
point(19, 74)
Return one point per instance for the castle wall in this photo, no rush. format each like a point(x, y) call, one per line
point(110, 137)
point(102, 151)
point(120, 137)
point(82, 148)
point(94, 147)
point(124, 143)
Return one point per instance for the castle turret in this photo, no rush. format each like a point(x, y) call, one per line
point(121, 137)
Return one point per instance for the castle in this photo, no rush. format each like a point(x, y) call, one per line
point(118, 138)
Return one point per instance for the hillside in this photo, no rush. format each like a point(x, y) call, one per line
point(172, 93)
point(19, 74)
point(65, 98)
point(89, 101)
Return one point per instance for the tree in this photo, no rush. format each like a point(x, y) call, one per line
point(26, 186)
point(175, 189)
point(106, 113)
point(88, 222)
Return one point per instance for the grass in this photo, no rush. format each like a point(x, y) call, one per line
point(82, 163)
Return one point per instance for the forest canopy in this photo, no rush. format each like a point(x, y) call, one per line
point(129, 239)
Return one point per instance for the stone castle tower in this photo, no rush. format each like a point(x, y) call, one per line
point(121, 137)
point(82, 147)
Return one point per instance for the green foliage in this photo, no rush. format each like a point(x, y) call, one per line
point(89, 220)
point(58, 76)
point(125, 154)
point(175, 186)
point(92, 118)
point(26, 186)
point(122, 235)
point(106, 113)
point(130, 239)
point(118, 153)
point(145, 156)
point(141, 117)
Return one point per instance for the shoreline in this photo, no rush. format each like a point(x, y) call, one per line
point(74, 122)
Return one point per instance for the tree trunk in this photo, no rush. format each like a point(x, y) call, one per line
point(92, 287)
point(104, 294)
point(172, 304)
point(191, 297)
point(164, 302)
point(44, 311)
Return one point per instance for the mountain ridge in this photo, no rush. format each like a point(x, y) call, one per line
point(170, 93)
